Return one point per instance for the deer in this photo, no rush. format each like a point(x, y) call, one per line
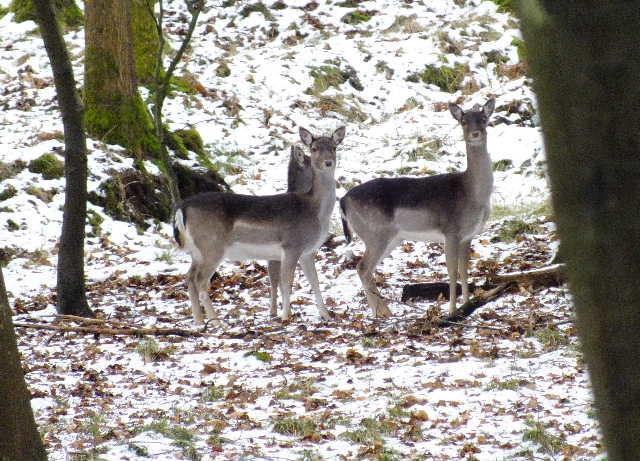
point(287, 228)
point(299, 179)
point(450, 208)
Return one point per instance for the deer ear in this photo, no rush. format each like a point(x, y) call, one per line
point(338, 135)
point(489, 106)
point(305, 136)
point(297, 154)
point(456, 111)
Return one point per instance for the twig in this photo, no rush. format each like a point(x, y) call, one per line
point(110, 331)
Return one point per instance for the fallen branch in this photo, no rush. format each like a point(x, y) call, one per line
point(474, 303)
point(553, 275)
point(110, 331)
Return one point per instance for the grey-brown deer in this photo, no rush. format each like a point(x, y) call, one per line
point(299, 179)
point(287, 227)
point(451, 207)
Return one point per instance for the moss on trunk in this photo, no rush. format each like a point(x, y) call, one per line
point(66, 10)
point(115, 113)
point(145, 39)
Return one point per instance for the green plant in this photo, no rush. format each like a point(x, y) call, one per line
point(552, 338)
point(297, 426)
point(12, 226)
point(508, 6)
point(502, 164)
point(258, 7)
point(150, 350)
point(297, 390)
point(213, 393)
point(223, 70)
point(325, 77)
point(48, 165)
point(511, 384)
point(263, 356)
point(515, 229)
point(538, 434)
point(45, 195)
point(521, 46)
point(9, 170)
point(8, 192)
point(446, 78)
point(371, 430)
point(95, 221)
point(358, 16)
point(181, 437)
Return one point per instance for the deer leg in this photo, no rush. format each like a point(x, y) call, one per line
point(192, 286)
point(309, 268)
point(287, 269)
point(273, 269)
point(451, 251)
point(202, 282)
point(463, 269)
point(373, 253)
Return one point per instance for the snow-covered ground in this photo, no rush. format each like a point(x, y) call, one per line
point(508, 384)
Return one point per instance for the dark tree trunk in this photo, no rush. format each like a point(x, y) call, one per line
point(585, 58)
point(71, 285)
point(19, 437)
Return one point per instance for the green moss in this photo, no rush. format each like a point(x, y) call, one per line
point(3, 11)
point(129, 125)
point(191, 139)
point(8, 192)
point(521, 46)
point(358, 16)
point(182, 84)
point(258, 7)
point(48, 165)
point(278, 5)
point(502, 165)
point(145, 40)
point(506, 6)
point(325, 77)
point(223, 70)
point(447, 78)
point(68, 12)
point(94, 220)
point(349, 3)
point(515, 229)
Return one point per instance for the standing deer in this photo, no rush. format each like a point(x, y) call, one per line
point(286, 227)
point(451, 207)
point(299, 179)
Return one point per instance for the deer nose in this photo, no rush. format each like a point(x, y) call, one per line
point(475, 134)
point(328, 163)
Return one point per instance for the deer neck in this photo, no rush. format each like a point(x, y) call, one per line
point(323, 191)
point(479, 173)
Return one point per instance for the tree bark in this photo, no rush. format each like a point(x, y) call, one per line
point(585, 59)
point(145, 40)
point(19, 437)
point(114, 109)
point(71, 286)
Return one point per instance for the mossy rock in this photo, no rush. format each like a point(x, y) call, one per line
point(183, 141)
point(358, 17)
point(446, 78)
point(67, 11)
point(278, 5)
point(134, 196)
point(48, 165)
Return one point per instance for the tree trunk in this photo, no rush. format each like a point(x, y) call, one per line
point(19, 437)
point(585, 58)
point(71, 286)
point(145, 40)
point(115, 112)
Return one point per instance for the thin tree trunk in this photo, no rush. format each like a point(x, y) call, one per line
point(19, 437)
point(585, 58)
point(71, 286)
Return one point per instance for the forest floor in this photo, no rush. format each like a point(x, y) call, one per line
point(508, 383)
